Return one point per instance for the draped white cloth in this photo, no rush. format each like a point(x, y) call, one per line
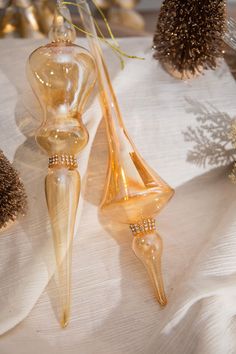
point(113, 309)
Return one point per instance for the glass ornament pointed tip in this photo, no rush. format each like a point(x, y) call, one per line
point(65, 319)
point(148, 249)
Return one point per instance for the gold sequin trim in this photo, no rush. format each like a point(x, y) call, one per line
point(68, 161)
point(146, 226)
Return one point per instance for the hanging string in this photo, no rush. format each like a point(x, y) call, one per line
point(114, 46)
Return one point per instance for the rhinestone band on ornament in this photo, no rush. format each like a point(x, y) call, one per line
point(147, 226)
point(69, 161)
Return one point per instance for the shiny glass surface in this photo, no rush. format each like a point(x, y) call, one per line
point(133, 191)
point(62, 76)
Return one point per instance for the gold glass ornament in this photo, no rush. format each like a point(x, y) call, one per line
point(62, 76)
point(134, 193)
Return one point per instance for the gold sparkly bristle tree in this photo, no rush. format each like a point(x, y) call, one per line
point(13, 200)
point(189, 36)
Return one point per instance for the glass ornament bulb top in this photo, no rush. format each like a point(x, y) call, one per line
point(62, 76)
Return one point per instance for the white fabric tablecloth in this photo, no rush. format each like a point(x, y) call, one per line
point(113, 309)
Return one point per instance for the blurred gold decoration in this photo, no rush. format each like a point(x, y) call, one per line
point(25, 18)
point(45, 11)
point(122, 12)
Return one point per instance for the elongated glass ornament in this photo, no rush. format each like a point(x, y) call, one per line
point(134, 193)
point(62, 76)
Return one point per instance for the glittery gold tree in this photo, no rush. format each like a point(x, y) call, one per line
point(13, 200)
point(189, 35)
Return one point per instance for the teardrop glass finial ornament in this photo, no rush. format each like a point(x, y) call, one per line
point(62, 76)
point(134, 193)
